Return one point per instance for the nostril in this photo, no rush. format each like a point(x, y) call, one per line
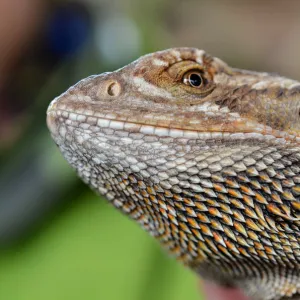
point(114, 89)
point(109, 89)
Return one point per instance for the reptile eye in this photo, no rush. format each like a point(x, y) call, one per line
point(193, 78)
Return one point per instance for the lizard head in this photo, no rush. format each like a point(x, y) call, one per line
point(186, 89)
point(201, 155)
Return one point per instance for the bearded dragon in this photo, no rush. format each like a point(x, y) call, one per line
point(205, 157)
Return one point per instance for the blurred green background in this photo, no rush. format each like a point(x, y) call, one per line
point(57, 239)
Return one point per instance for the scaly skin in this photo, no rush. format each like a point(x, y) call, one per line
point(211, 168)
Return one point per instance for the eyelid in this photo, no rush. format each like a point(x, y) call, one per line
point(177, 70)
point(191, 70)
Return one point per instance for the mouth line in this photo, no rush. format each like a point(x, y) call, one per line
point(85, 121)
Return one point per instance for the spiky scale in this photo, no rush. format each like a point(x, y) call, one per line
point(252, 225)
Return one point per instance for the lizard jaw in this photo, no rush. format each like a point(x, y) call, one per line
point(56, 118)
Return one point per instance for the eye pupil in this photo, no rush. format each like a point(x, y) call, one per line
point(195, 80)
